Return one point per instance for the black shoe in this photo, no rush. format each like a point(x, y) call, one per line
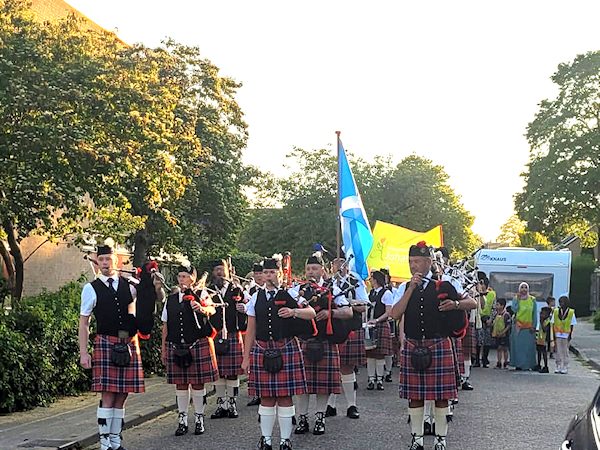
point(319, 428)
point(388, 377)
point(544, 370)
point(182, 428)
point(232, 409)
point(302, 426)
point(427, 429)
point(330, 411)
point(454, 401)
point(352, 413)
point(440, 443)
point(466, 386)
point(254, 402)
point(485, 365)
point(220, 412)
point(199, 429)
point(262, 444)
point(285, 445)
point(449, 418)
point(414, 445)
point(370, 384)
point(380, 384)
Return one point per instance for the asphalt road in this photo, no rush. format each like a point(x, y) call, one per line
point(507, 410)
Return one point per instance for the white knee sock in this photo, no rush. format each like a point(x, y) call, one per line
point(116, 427)
point(285, 414)
point(467, 369)
point(105, 417)
point(233, 387)
point(220, 388)
point(371, 367)
point(183, 400)
point(348, 384)
point(322, 402)
point(302, 402)
point(267, 421)
point(332, 400)
point(389, 361)
point(198, 399)
point(416, 423)
point(380, 365)
point(441, 423)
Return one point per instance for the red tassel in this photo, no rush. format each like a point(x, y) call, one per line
point(329, 325)
point(145, 337)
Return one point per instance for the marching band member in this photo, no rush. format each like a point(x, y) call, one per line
point(259, 283)
point(187, 350)
point(228, 322)
point(381, 303)
point(115, 362)
point(389, 359)
point(352, 351)
point(322, 358)
point(433, 310)
point(272, 354)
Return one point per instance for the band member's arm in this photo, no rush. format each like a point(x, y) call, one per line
point(249, 340)
point(85, 359)
point(306, 313)
point(163, 346)
point(345, 312)
point(399, 308)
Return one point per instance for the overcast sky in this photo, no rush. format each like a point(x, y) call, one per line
point(453, 81)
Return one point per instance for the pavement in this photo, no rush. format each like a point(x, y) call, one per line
point(70, 422)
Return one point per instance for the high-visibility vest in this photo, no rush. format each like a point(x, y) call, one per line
point(563, 326)
point(490, 298)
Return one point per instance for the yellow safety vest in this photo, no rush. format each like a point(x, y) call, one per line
point(563, 326)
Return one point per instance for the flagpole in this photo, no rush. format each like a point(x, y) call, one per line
point(337, 202)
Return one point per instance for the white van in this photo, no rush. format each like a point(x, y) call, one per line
point(546, 272)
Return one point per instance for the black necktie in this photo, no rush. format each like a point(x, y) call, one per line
point(110, 285)
point(271, 295)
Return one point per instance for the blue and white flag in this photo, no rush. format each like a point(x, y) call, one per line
point(356, 232)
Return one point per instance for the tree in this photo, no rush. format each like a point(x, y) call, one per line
point(511, 231)
point(562, 183)
point(87, 130)
point(308, 197)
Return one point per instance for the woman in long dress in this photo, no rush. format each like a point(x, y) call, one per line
point(522, 338)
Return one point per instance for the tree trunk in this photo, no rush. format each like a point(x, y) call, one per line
point(140, 247)
point(15, 251)
point(8, 263)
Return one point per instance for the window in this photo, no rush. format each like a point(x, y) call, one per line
point(507, 284)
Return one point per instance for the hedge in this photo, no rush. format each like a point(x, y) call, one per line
point(581, 272)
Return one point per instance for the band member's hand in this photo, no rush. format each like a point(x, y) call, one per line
point(372, 322)
point(156, 280)
point(195, 305)
point(322, 315)
point(163, 356)
point(85, 360)
point(240, 307)
point(246, 365)
point(416, 280)
point(447, 305)
point(286, 313)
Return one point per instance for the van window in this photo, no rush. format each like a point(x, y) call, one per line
point(507, 284)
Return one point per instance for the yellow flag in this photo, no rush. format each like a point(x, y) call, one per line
point(391, 244)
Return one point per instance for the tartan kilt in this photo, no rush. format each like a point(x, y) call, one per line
point(289, 381)
point(352, 352)
point(106, 377)
point(384, 342)
point(439, 381)
point(324, 377)
point(459, 355)
point(469, 341)
point(203, 368)
point(230, 364)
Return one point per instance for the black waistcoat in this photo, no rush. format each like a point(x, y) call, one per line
point(423, 319)
point(375, 298)
point(268, 323)
point(183, 324)
point(233, 319)
point(111, 309)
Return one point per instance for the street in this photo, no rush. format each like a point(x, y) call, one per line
point(507, 410)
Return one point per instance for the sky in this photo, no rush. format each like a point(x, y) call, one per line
point(453, 81)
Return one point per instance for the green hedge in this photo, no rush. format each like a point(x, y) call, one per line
point(581, 272)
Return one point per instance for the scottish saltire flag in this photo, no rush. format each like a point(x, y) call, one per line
point(356, 232)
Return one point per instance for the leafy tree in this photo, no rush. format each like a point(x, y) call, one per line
point(562, 183)
point(511, 230)
point(308, 197)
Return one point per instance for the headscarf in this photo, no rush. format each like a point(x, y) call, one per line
point(523, 284)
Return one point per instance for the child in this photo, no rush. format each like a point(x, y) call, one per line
point(501, 323)
point(551, 302)
point(543, 332)
point(563, 320)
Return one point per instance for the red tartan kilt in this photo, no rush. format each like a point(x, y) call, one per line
point(438, 382)
point(469, 341)
point(459, 355)
point(324, 377)
point(384, 342)
point(291, 380)
point(230, 364)
point(106, 377)
point(203, 368)
point(352, 352)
